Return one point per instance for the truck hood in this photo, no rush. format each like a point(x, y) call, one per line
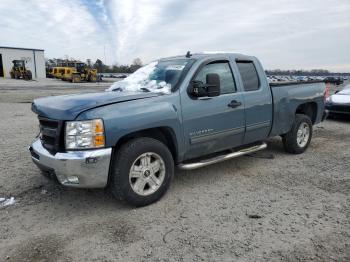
point(68, 107)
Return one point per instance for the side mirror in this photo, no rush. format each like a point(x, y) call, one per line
point(213, 85)
point(210, 89)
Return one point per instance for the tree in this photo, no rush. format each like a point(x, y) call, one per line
point(136, 64)
point(88, 62)
point(137, 61)
point(100, 66)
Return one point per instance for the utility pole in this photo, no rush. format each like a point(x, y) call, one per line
point(104, 52)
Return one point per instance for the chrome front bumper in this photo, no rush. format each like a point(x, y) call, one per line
point(82, 169)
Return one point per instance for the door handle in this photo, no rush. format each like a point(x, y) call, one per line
point(234, 104)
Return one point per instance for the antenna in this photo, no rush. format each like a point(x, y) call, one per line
point(188, 54)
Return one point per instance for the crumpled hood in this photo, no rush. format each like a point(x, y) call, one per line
point(68, 107)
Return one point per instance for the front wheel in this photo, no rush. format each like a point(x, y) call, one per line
point(28, 75)
point(297, 140)
point(142, 171)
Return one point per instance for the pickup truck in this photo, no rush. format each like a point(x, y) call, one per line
point(187, 111)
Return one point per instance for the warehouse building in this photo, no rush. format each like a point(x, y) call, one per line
point(34, 59)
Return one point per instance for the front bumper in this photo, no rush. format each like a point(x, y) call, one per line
point(82, 169)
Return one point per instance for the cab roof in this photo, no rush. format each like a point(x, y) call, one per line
point(212, 54)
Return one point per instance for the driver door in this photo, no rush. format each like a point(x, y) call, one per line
point(213, 124)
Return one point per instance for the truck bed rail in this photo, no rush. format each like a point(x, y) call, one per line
point(274, 84)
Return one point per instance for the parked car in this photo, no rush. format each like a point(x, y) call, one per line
point(339, 103)
point(187, 111)
point(333, 80)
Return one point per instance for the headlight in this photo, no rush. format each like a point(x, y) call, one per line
point(84, 134)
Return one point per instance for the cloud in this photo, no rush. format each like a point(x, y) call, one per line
point(283, 34)
point(60, 27)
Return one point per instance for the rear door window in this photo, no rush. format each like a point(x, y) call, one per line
point(249, 75)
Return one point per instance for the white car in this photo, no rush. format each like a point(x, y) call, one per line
point(339, 103)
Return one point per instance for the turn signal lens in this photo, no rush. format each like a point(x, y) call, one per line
point(99, 140)
point(98, 126)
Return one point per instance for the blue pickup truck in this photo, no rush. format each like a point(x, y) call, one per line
point(186, 111)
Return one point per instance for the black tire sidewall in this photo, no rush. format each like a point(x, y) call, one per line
point(125, 157)
point(290, 139)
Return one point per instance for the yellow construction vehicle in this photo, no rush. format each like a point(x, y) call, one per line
point(19, 70)
point(66, 73)
point(80, 72)
point(56, 72)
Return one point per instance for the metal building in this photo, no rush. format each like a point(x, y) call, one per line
point(34, 59)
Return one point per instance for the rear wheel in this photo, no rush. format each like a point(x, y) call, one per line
point(92, 78)
point(297, 140)
point(142, 171)
point(76, 79)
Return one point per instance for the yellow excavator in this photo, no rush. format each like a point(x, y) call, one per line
point(19, 70)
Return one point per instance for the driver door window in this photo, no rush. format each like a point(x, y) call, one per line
point(223, 69)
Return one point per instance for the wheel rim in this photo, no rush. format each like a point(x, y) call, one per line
point(147, 174)
point(303, 134)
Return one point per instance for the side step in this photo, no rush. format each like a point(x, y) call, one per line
point(220, 158)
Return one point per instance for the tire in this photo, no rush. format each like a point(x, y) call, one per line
point(28, 75)
point(290, 140)
point(92, 79)
point(76, 79)
point(17, 75)
point(131, 155)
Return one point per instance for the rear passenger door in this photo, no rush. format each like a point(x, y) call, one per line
point(257, 100)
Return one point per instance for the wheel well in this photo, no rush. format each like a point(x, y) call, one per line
point(163, 134)
point(309, 109)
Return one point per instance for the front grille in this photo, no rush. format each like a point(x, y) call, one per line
point(51, 134)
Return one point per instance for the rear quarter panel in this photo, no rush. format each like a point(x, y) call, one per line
point(288, 98)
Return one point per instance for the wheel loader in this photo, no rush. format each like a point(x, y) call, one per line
point(19, 70)
point(80, 72)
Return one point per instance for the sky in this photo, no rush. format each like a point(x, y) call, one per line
point(284, 34)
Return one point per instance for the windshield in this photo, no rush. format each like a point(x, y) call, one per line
point(18, 63)
point(159, 77)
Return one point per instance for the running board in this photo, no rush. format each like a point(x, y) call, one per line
point(220, 158)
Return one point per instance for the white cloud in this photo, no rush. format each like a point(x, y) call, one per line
point(60, 27)
point(283, 34)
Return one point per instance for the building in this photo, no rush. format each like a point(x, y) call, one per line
point(34, 59)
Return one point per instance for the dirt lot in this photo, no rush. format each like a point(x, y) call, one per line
point(270, 206)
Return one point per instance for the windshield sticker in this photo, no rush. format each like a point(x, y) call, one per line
point(175, 67)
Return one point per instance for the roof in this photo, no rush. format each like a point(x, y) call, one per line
point(217, 54)
point(20, 48)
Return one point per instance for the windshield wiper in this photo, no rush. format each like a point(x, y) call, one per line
point(145, 89)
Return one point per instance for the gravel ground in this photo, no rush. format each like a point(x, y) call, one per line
point(270, 206)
